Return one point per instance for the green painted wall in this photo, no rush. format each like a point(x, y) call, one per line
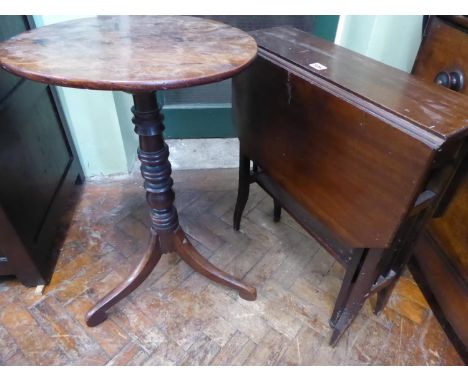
point(325, 26)
point(202, 121)
point(123, 103)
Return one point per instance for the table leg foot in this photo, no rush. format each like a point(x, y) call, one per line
point(382, 298)
point(191, 256)
point(95, 317)
point(98, 313)
point(250, 295)
point(340, 327)
point(276, 210)
point(243, 190)
point(356, 288)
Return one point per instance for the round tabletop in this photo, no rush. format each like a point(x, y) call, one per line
point(129, 53)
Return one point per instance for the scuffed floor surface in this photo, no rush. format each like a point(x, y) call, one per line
point(177, 317)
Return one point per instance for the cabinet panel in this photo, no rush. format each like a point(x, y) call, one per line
point(38, 167)
point(440, 264)
point(10, 26)
point(33, 157)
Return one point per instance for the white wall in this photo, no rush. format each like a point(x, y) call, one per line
point(102, 146)
point(393, 40)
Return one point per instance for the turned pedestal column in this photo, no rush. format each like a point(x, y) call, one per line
point(166, 234)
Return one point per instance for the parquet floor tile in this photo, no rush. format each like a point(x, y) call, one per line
point(177, 317)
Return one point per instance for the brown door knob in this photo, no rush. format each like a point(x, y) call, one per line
point(453, 80)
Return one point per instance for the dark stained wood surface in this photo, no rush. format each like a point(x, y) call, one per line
point(447, 50)
point(451, 229)
point(359, 153)
point(457, 21)
point(357, 174)
point(38, 170)
point(139, 54)
point(440, 264)
point(130, 53)
point(18, 262)
point(423, 105)
point(444, 292)
point(360, 135)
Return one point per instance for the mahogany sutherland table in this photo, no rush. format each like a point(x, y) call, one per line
point(359, 153)
point(139, 55)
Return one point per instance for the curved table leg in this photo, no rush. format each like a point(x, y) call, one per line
point(166, 235)
point(98, 314)
point(191, 256)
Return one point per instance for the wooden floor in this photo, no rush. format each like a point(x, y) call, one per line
point(177, 317)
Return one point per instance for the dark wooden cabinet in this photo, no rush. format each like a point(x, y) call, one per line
point(440, 264)
point(38, 168)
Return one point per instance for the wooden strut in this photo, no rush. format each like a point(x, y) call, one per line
point(166, 234)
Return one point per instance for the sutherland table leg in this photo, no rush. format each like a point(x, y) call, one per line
point(354, 292)
point(276, 210)
point(166, 234)
point(243, 190)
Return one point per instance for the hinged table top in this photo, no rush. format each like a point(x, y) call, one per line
point(428, 111)
point(130, 53)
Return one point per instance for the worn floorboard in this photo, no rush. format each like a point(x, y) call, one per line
point(177, 317)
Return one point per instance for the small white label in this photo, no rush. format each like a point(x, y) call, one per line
point(318, 66)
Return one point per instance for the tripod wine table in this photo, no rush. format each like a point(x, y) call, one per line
point(139, 55)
